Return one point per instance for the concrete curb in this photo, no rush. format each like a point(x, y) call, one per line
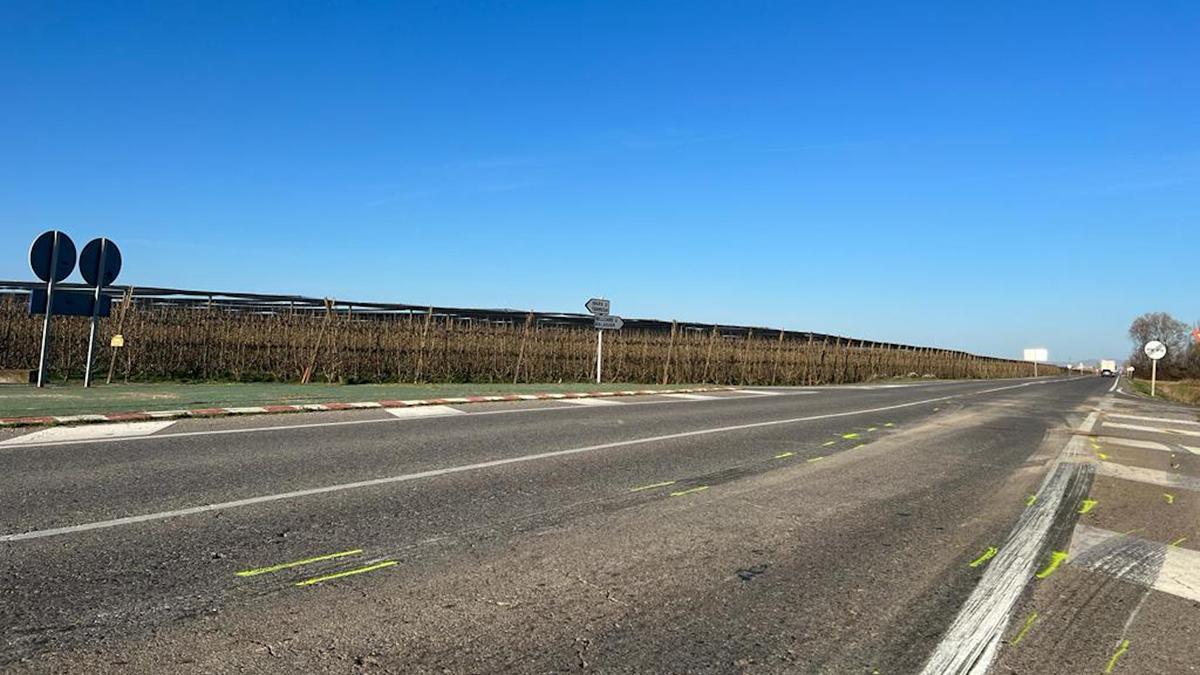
point(51, 420)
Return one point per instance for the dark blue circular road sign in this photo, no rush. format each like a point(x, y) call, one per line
point(89, 262)
point(41, 251)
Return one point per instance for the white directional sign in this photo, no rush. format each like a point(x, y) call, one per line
point(1155, 349)
point(609, 322)
point(598, 306)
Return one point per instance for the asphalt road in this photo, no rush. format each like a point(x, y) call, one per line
point(774, 530)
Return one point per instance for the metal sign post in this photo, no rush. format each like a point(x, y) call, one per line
point(1036, 354)
point(99, 263)
point(52, 258)
point(599, 307)
point(1155, 350)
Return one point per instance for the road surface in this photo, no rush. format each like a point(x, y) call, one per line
point(866, 529)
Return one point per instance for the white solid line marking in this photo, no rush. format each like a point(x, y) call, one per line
point(424, 411)
point(1151, 476)
point(1146, 418)
point(89, 432)
point(594, 401)
point(759, 392)
point(1156, 430)
point(1180, 571)
point(970, 644)
point(162, 515)
point(693, 397)
point(1193, 450)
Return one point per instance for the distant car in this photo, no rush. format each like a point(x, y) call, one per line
point(1107, 373)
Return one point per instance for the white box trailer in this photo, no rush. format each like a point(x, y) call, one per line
point(1108, 368)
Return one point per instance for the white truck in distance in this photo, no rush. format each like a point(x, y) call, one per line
point(1108, 368)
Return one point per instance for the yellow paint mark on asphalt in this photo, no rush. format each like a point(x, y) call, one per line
point(1112, 663)
point(688, 492)
point(1029, 501)
point(652, 486)
point(814, 459)
point(1056, 559)
point(1179, 541)
point(872, 428)
point(826, 444)
point(890, 424)
point(1170, 497)
point(1086, 506)
point(347, 573)
point(987, 555)
point(1028, 624)
point(850, 436)
point(784, 454)
point(1102, 456)
point(296, 563)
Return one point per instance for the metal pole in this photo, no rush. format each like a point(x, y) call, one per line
point(87, 370)
point(599, 354)
point(1035, 368)
point(44, 356)
point(1153, 375)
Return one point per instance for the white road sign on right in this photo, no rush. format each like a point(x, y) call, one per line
point(1155, 350)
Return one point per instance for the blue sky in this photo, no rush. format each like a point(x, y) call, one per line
point(985, 177)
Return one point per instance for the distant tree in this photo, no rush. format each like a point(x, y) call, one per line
point(1167, 329)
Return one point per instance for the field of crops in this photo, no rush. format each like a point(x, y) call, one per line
point(195, 343)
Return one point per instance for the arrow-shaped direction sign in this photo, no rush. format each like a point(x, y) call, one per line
point(609, 322)
point(598, 306)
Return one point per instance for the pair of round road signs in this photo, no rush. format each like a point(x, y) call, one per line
point(99, 263)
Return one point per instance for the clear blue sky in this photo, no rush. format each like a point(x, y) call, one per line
point(985, 176)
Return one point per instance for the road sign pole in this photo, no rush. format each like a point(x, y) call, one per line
point(1153, 375)
point(87, 369)
point(599, 355)
point(44, 355)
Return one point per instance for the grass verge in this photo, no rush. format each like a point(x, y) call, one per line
point(1180, 391)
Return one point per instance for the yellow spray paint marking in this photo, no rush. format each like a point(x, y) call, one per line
point(826, 444)
point(1087, 505)
point(872, 428)
point(890, 424)
point(1030, 500)
point(850, 436)
point(347, 573)
point(1170, 497)
point(1179, 541)
point(296, 563)
point(1028, 624)
point(784, 454)
point(814, 459)
point(652, 486)
point(1056, 559)
point(688, 492)
point(1112, 663)
point(1102, 456)
point(987, 555)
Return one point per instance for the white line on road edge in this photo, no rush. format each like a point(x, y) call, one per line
point(970, 644)
point(594, 401)
point(91, 432)
point(162, 515)
point(693, 397)
point(425, 411)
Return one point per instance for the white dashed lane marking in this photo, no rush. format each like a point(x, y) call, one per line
point(424, 411)
point(1152, 476)
point(1146, 418)
point(1153, 430)
point(89, 432)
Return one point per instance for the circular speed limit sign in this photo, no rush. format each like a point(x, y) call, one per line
point(1155, 350)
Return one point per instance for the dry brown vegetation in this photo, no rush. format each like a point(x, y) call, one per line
point(194, 343)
